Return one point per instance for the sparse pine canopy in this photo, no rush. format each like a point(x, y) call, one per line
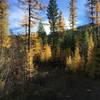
point(91, 10)
point(31, 6)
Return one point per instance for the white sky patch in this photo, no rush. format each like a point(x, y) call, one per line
point(47, 29)
point(67, 24)
point(46, 26)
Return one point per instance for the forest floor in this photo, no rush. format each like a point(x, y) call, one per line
point(53, 83)
point(56, 84)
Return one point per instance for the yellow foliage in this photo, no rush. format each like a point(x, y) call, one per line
point(90, 47)
point(46, 53)
point(76, 58)
point(6, 41)
point(30, 65)
point(69, 61)
point(61, 23)
point(73, 62)
point(4, 24)
point(37, 45)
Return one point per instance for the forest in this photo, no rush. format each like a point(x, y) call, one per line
point(61, 65)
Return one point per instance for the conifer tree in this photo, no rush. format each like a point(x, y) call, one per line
point(46, 53)
point(94, 16)
point(69, 63)
point(33, 55)
point(68, 59)
point(52, 13)
point(77, 57)
point(84, 48)
point(42, 33)
point(94, 63)
point(90, 46)
point(73, 13)
point(90, 53)
point(13, 68)
point(98, 18)
point(32, 7)
point(3, 22)
point(97, 12)
point(61, 24)
point(91, 10)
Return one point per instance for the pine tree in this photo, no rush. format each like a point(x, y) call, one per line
point(52, 13)
point(91, 10)
point(73, 14)
point(77, 57)
point(94, 9)
point(90, 53)
point(84, 48)
point(94, 16)
point(94, 63)
point(42, 33)
point(90, 46)
point(61, 24)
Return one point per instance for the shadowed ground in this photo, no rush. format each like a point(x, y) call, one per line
point(52, 83)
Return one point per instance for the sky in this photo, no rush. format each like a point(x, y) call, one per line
point(16, 14)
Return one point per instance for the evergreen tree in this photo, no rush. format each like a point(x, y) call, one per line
point(93, 64)
point(84, 48)
point(73, 13)
point(91, 11)
point(68, 58)
point(90, 46)
point(98, 18)
point(52, 13)
point(61, 24)
point(77, 57)
point(42, 34)
point(90, 53)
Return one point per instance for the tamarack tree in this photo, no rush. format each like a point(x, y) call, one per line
point(4, 23)
point(32, 7)
point(61, 25)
